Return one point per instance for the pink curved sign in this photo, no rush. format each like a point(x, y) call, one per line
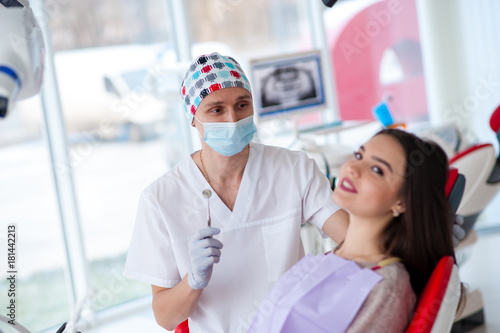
point(357, 48)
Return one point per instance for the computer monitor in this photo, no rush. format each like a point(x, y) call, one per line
point(287, 85)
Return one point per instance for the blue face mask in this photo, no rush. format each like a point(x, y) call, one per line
point(229, 139)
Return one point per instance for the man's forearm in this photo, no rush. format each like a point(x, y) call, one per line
point(171, 306)
point(336, 225)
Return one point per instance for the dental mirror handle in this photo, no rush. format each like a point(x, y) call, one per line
point(207, 194)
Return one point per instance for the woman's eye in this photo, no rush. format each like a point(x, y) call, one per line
point(357, 156)
point(378, 170)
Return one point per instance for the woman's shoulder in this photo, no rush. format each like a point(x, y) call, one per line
point(390, 304)
point(395, 270)
point(395, 276)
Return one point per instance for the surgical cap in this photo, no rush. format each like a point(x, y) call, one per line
point(207, 74)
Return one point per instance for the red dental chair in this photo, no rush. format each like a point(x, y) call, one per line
point(481, 167)
point(438, 302)
point(182, 327)
point(437, 305)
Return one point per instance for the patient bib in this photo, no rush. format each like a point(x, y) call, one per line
point(321, 293)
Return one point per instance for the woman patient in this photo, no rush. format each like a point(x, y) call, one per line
point(400, 226)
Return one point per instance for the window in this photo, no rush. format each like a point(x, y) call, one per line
point(28, 201)
point(117, 128)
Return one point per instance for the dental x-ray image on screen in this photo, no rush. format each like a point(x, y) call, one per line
point(288, 84)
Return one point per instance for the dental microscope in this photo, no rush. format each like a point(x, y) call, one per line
point(22, 53)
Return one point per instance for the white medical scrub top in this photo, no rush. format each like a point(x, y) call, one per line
point(280, 190)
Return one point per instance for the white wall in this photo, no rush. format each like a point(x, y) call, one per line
point(461, 52)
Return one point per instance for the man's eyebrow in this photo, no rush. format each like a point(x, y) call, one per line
point(213, 103)
point(220, 102)
point(378, 159)
point(246, 96)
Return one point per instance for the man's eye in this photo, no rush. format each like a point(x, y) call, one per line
point(357, 155)
point(378, 170)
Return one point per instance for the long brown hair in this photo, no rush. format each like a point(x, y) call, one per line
point(421, 235)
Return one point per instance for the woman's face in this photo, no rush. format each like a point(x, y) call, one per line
point(370, 182)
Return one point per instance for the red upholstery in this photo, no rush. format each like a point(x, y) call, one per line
point(452, 177)
point(431, 298)
point(495, 120)
point(182, 327)
point(468, 151)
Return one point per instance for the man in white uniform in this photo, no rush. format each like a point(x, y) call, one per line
point(260, 198)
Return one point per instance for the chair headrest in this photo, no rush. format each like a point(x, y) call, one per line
point(454, 189)
point(452, 176)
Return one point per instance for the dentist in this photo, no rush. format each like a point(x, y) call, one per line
point(261, 196)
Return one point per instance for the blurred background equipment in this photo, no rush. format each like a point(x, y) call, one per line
point(21, 54)
point(329, 3)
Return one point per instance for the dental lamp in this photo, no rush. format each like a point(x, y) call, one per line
point(22, 52)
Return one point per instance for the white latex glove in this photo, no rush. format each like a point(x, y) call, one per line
point(204, 252)
point(457, 230)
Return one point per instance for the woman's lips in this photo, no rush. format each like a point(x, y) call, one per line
point(347, 185)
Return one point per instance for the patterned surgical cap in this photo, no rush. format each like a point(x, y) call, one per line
point(207, 74)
